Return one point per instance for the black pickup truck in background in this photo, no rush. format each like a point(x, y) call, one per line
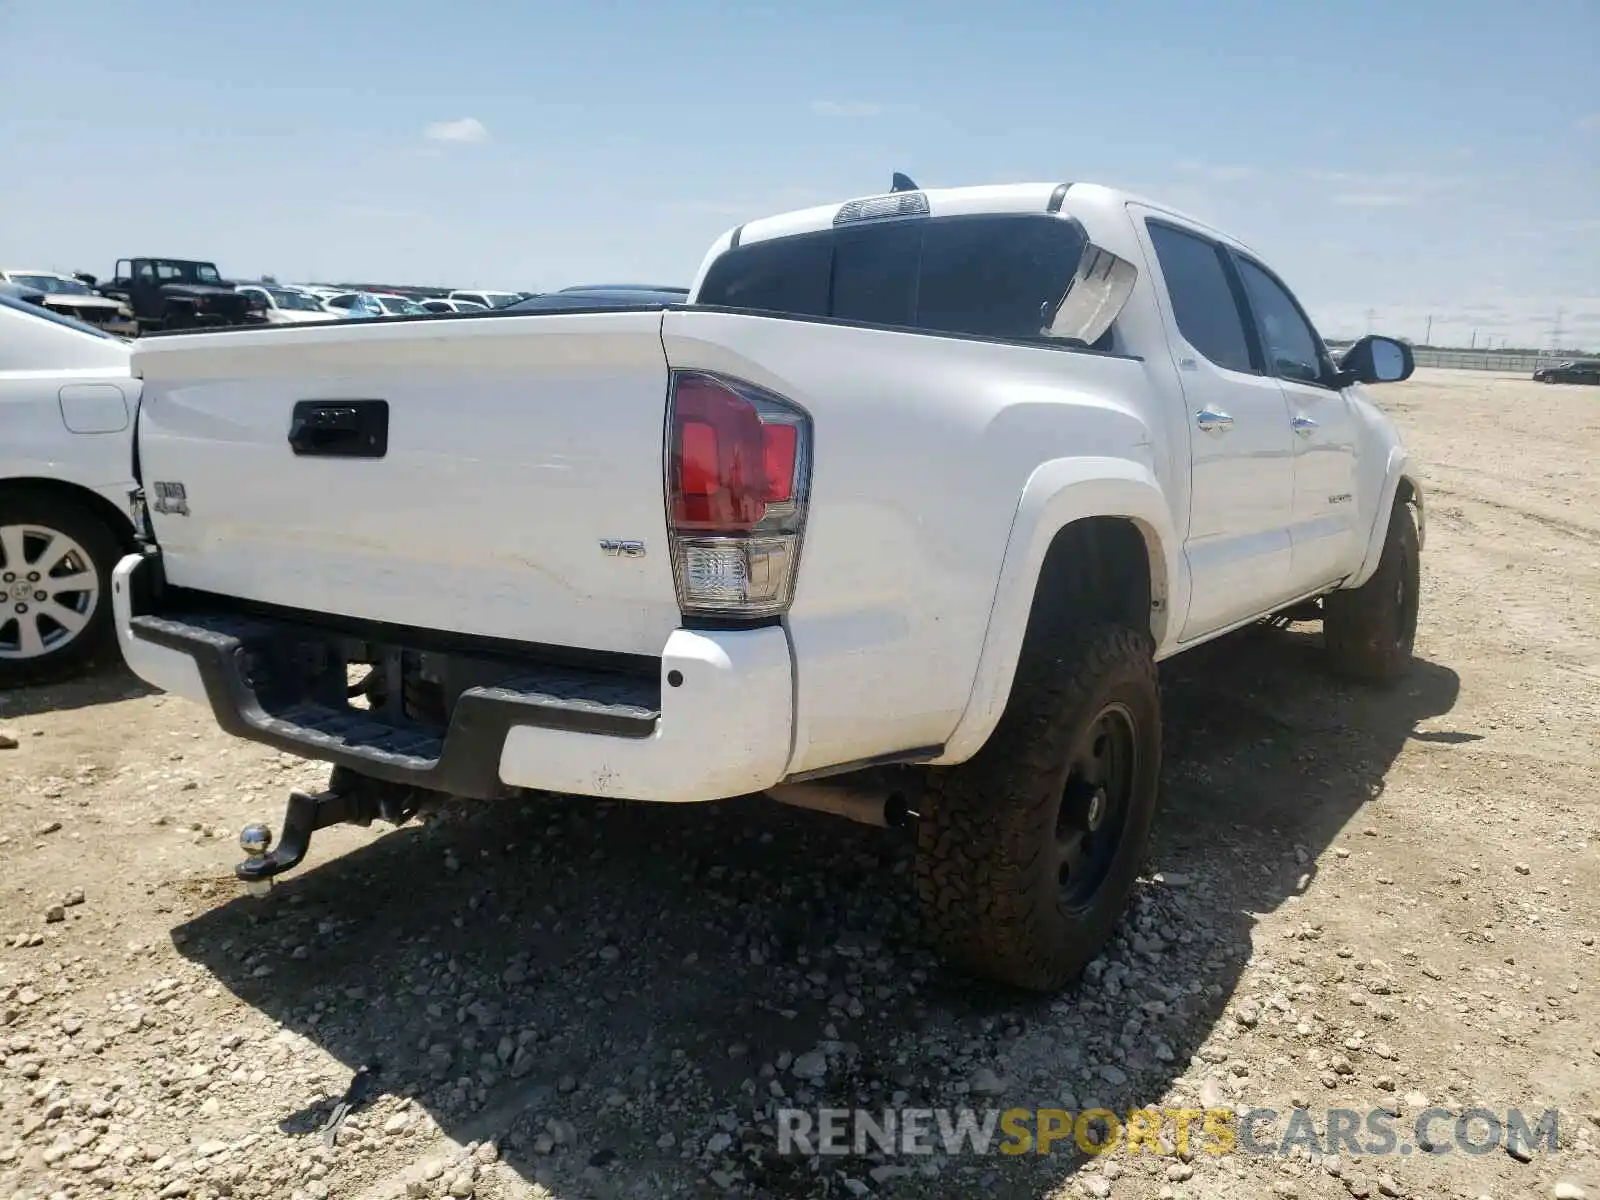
point(178, 293)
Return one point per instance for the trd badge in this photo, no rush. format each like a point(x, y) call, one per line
point(621, 548)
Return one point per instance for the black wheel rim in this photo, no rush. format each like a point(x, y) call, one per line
point(1095, 801)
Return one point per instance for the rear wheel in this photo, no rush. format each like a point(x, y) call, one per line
point(1370, 631)
point(56, 559)
point(1026, 854)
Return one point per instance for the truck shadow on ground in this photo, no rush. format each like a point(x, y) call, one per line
point(618, 994)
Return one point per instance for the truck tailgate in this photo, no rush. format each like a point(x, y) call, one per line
point(457, 475)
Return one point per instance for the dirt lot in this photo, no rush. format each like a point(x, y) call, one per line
point(1356, 899)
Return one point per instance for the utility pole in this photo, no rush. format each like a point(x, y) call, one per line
point(1427, 338)
point(1555, 334)
point(1370, 314)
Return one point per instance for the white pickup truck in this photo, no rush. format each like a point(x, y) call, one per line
point(894, 518)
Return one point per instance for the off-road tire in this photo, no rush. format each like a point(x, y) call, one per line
point(95, 642)
point(1370, 631)
point(986, 868)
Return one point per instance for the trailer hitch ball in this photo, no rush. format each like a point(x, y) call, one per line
point(255, 840)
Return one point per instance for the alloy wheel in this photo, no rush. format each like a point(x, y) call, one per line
point(49, 590)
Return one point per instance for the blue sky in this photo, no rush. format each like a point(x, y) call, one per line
point(1404, 158)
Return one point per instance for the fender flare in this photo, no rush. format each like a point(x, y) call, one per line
point(1397, 471)
point(1058, 493)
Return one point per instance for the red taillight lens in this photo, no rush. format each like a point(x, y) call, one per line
point(720, 458)
point(780, 444)
point(737, 469)
point(728, 462)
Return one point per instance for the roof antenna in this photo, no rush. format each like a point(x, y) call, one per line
point(902, 183)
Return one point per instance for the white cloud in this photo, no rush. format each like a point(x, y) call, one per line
point(846, 108)
point(1216, 173)
point(1374, 200)
point(467, 129)
point(753, 207)
point(1394, 189)
point(1590, 123)
point(714, 208)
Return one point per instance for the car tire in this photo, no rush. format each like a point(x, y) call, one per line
point(1370, 631)
point(1027, 853)
point(48, 544)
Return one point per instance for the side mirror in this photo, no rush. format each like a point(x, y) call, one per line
point(1376, 359)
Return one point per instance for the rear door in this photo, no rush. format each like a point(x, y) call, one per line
point(1238, 545)
point(449, 475)
point(1323, 524)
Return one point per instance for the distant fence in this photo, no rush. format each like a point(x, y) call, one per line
point(1520, 362)
point(1486, 360)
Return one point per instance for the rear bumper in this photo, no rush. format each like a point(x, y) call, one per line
point(715, 723)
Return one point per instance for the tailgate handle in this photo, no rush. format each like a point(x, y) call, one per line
point(340, 428)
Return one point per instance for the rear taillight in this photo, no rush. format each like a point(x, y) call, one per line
point(738, 469)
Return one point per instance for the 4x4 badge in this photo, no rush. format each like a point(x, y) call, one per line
point(621, 548)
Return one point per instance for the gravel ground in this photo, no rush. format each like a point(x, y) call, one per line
point(1356, 899)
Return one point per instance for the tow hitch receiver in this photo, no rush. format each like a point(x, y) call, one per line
point(351, 799)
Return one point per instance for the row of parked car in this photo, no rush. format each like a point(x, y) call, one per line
point(149, 294)
point(287, 304)
point(293, 303)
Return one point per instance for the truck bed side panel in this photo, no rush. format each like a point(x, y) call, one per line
point(923, 447)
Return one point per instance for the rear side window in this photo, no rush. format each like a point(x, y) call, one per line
point(1203, 303)
point(787, 275)
point(994, 281)
point(987, 276)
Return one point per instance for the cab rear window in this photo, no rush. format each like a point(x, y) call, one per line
point(998, 276)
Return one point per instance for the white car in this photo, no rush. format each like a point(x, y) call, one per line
point(72, 297)
point(67, 402)
point(374, 304)
point(287, 306)
point(444, 305)
point(487, 299)
point(894, 518)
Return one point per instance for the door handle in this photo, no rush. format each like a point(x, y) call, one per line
point(1213, 422)
point(340, 428)
point(1304, 426)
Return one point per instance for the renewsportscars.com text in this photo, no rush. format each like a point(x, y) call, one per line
point(1173, 1131)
